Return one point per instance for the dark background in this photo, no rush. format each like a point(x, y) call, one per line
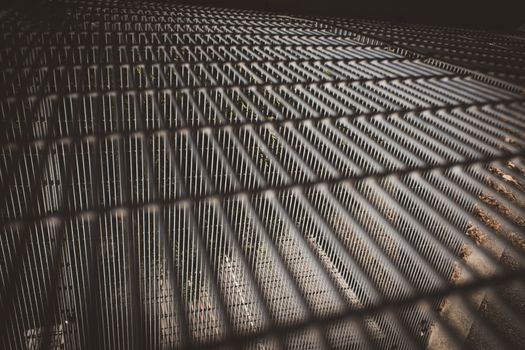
point(484, 14)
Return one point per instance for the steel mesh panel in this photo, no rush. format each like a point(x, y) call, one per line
point(500, 54)
point(181, 177)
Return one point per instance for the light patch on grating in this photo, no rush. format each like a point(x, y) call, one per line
point(184, 177)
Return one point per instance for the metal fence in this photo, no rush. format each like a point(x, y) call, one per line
point(185, 177)
point(498, 54)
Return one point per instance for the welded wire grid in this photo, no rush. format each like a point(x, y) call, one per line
point(499, 54)
point(176, 176)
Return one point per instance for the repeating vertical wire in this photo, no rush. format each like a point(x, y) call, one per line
point(94, 295)
point(307, 185)
point(23, 242)
point(467, 301)
point(245, 264)
point(280, 260)
point(182, 311)
point(465, 288)
point(460, 57)
point(292, 132)
point(58, 249)
point(431, 215)
point(18, 153)
point(462, 45)
point(131, 250)
point(496, 143)
point(208, 269)
point(428, 182)
point(243, 260)
point(5, 83)
point(166, 243)
point(58, 255)
point(448, 178)
point(321, 222)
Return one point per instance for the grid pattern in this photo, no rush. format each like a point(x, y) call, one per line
point(499, 54)
point(186, 177)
